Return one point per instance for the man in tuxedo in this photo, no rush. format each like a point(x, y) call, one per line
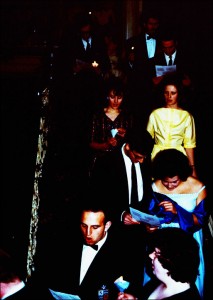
point(88, 262)
point(145, 44)
point(139, 50)
point(13, 285)
point(111, 178)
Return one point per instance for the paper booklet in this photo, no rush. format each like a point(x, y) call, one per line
point(146, 218)
point(163, 70)
point(63, 296)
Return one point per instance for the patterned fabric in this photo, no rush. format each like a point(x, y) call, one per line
point(102, 125)
point(101, 131)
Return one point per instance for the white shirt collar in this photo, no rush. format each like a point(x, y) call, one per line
point(85, 42)
point(150, 38)
point(14, 289)
point(126, 158)
point(167, 56)
point(100, 243)
point(88, 254)
point(128, 164)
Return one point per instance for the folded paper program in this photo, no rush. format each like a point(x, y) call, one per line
point(145, 218)
point(62, 296)
point(121, 284)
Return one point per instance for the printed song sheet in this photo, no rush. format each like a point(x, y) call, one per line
point(143, 217)
point(163, 70)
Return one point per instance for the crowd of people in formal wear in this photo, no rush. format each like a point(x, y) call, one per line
point(121, 120)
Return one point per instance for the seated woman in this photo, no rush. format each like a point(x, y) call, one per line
point(110, 123)
point(174, 256)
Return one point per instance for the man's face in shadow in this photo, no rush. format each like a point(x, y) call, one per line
point(151, 26)
point(134, 155)
point(86, 32)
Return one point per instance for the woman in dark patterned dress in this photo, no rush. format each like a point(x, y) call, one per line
point(110, 123)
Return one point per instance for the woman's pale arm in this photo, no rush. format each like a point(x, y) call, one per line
point(190, 155)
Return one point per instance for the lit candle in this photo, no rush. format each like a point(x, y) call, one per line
point(95, 64)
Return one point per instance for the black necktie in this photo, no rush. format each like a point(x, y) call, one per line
point(134, 192)
point(95, 247)
point(88, 47)
point(148, 37)
point(170, 61)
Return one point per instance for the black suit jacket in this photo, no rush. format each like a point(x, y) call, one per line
point(142, 61)
point(182, 62)
point(96, 53)
point(72, 49)
point(109, 181)
point(139, 77)
point(59, 265)
point(32, 291)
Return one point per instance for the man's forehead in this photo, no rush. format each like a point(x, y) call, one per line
point(92, 216)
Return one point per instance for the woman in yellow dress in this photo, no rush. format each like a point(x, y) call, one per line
point(171, 126)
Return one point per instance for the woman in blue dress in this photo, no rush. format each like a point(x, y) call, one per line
point(179, 199)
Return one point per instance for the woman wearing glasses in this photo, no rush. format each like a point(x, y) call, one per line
point(174, 258)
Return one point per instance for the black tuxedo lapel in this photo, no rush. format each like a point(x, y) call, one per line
point(104, 269)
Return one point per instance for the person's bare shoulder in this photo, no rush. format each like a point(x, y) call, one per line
point(195, 184)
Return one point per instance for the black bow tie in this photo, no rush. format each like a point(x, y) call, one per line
point(148, 37)
point(95, 247)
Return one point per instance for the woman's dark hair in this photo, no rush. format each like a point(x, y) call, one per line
point(172, 79)
point(139, 140)
point(179, 253)
point(116, 85)
point(171, 163)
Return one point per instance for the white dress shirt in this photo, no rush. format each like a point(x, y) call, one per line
point(128, 164)
point(85, 42)
point(151, 46)
point(14, 289)
point(88, 254)
point(167, 57)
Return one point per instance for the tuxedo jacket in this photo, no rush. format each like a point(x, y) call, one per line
point(60, 266)
point(31, 292)
point(109, 182)
point(142, 61)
